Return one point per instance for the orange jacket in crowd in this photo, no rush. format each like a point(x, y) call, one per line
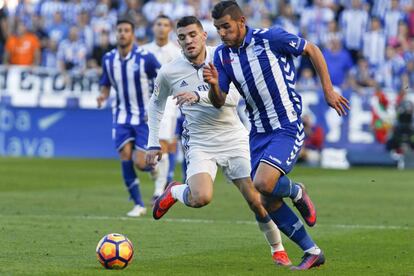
point(23, 49)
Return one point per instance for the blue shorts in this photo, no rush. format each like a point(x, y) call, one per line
point(124, 133)
point(279, 148)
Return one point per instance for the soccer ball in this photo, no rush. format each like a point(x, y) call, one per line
point(115, 251)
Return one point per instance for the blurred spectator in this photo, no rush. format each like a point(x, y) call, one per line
point(49, 54)
point(152, 9)
point(58, 30)
point(381, 118)
point(403, 133)
point(402, 38)
point(392, 17)
point(354, 23)
point(410, 19)
point(255, 10)
point(95, 60)
point(47, 10)
point(374, 42)
point(103, 20)
point(3, 30)
point(311, 150)
point(287, 19)
point(307, 81)
point(72, 53)
point(391, 73)
point(361, 76)
point(331, 33)
point(38, 30)
point(338, 60)
point(22, 47)
point(85, 30)
point(314, 21)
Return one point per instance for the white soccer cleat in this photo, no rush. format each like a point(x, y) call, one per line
point(137, 211)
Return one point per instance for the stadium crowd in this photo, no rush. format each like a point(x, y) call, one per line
point(367, 43)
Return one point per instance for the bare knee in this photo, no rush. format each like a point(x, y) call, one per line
point(199, 200)
point(140, 164)
point(264, 187)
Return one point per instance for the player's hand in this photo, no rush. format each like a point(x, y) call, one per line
point(337, 102)
point(152, 157)
point(186, 98)
point(100, 100)
point(210, 74)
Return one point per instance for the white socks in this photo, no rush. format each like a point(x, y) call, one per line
point(161, 179)
point(272, 235)
point(314, 250)
point(177, 192)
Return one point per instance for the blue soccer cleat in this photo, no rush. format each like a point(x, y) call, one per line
point(309, 261)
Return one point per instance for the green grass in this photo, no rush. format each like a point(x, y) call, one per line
point(53, 213)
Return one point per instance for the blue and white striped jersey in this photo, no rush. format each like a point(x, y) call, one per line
point(132, 79)
point(263, 72)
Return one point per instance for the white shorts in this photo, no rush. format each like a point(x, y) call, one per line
point(169, 121)
point(235, 166)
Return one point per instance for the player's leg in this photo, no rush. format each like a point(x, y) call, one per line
point(172, 154)
point(162, 171)
point(265, 223)
point(124, 138)
point(196, 193)
point(278, 154)
point(280, 151)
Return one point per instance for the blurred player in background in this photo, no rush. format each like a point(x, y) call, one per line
point(211, 137)
point(259, 63)
point(129, 70)
point(165, 51)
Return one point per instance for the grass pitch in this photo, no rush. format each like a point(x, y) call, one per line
point(53, 213)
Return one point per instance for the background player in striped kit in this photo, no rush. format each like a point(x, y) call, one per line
point(259, 63)
point(129, 70)
point(212, 137)
point(165, 51)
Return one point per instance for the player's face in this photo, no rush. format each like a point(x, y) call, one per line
point(162, 27)
point(192, 40)
point(124, 34)
point(230, 30)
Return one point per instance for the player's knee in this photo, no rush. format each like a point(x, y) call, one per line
point(263, 187)
point(140, 165)
point(271, 204)
point(200, 200)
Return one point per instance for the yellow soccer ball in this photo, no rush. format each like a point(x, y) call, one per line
point(115, 251)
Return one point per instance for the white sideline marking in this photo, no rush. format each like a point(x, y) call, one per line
point(208, 221)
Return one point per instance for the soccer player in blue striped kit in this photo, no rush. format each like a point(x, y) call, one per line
point(260, 64)
point(130, 70)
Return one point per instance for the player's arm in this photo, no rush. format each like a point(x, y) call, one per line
point(334, 100)
point(105, 85)
point(103, 95)
point(216, 95)
point(156, 109)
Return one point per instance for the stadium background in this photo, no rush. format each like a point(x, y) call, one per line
point(53, 211)
point(52, 85)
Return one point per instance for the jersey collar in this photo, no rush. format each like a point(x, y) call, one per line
point(130, 54)
point(246, 41)
point(207, 59)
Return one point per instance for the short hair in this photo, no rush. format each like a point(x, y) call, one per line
point(227, 7)
point(163, 16)
point(189, 20)
point(126, 19)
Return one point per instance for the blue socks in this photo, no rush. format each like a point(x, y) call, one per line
point(285, 188)
point(287, 221)
point(171, 166)
point(131, 181)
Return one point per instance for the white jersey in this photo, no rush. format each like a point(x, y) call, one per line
point(165, 54)
point(210, 129)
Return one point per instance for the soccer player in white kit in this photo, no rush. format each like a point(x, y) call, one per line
point(165, 51)
point(211, 136)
